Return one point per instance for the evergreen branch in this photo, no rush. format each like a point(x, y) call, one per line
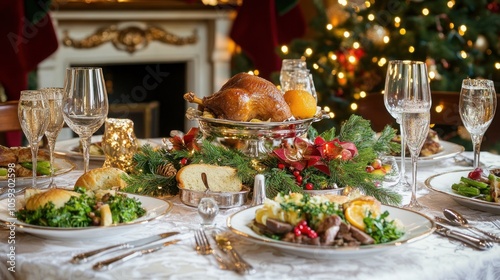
point(147, 179)
point(222, 156)
point(151, 184)
point(359, 131)
point(279, 181)
point(384, 143)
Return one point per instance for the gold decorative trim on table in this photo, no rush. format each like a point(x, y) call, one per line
point(130, 39)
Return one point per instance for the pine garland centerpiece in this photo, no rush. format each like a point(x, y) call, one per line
point(320, 161)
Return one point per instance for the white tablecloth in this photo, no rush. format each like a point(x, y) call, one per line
point(434, 257)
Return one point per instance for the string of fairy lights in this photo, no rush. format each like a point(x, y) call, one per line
point(382, 37)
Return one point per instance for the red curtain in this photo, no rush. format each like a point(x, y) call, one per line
point(259, 29)
point(23, 46)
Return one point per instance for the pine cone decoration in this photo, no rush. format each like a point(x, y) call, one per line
point(167, 170)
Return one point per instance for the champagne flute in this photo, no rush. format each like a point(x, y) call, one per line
point(396, 87)
point(477, 106)
point(85, 104)
point(32, 112)
point(416, 120)
point(55, 123)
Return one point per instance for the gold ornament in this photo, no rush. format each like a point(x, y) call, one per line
point(376, 34)
point(336, 13)
point(481, 43)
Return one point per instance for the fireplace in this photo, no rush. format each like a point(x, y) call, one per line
point(135, 90)
point(148, 56)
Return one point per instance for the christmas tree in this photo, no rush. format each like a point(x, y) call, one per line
point(352, 42)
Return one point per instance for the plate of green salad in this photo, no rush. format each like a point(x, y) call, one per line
point(81, 216)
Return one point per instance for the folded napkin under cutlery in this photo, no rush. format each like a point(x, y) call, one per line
point(478, 243)
point(84, 257)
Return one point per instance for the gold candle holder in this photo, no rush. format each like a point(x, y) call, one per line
point(119, 143)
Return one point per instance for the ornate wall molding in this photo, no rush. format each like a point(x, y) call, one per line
point(130, 39)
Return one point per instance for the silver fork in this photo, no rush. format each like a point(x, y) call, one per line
point(203, 247)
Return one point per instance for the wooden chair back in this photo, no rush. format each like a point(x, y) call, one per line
point(372, 108)
point(8, 116)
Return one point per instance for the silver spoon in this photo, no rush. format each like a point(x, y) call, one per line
point(456, 218)
point(205, 181)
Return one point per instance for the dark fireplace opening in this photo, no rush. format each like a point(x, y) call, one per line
point(150, 94)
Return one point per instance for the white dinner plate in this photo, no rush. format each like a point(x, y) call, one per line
point(62, 166)
point(70, 147)
point(417, 226)
point(155, 209)
point(449, 150)
point(442, 184)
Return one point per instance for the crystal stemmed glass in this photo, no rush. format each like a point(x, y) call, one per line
point(55, 123)
point(477, 106)
point(295, 75)
point(396, 86)
point(85, 104)
point(416, 120)
point(32, 112)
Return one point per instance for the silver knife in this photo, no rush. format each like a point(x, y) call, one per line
point(83, 257)
point(108, 264)
point(480, 244)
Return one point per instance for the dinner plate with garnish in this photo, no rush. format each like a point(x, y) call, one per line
point(154, 209)
point(416, 226)
point(443, 183)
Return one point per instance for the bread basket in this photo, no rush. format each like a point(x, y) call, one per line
point(224, 199)
point(253, 138)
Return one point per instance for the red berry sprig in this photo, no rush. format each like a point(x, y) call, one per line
point(303, 229)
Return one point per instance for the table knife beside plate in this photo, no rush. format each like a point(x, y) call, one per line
point(480, 244)
point(109, 263)
point(83, 257)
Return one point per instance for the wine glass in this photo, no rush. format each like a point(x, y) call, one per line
point(32, 112)
point(396, 87)
point(416, 120)
point(85, 104)
point(295, 75)
point(55, 123)
point(477, 106)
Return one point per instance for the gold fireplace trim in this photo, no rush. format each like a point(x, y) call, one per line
point(130, 39)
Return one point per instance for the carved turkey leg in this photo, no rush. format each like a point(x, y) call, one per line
point(192, 98)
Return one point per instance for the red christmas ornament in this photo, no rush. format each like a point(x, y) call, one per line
point(494, 7)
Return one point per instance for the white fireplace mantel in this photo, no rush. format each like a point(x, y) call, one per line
point(207, 60)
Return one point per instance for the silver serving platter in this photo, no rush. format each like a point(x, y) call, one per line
point(224, 199)
point(253, 138)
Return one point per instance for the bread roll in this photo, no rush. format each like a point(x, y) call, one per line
point(57, 196)
point(219, 178)
point(102, 178)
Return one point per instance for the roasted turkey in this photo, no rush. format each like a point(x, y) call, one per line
point(243, 98)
